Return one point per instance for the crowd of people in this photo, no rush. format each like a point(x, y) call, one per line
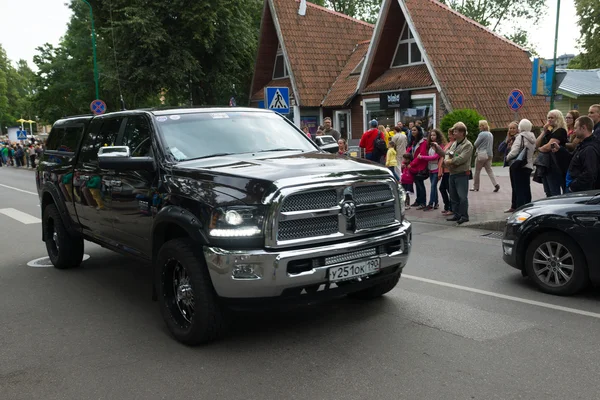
point(564, 157)
point(19, 155)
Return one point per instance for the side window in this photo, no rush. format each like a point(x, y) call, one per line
point(108, 132)
point(137, 136)
point(101, 132)
point(71, 138)
point(55, 138)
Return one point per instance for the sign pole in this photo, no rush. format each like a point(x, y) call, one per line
point(553, 89)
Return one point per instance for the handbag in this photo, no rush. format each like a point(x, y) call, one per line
point(422, 175)
point(521, 160)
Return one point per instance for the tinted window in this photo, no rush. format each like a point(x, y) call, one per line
point(199, 135)
point(71, 138)
point(101, 132)
point(55, 137)
point(137, 136)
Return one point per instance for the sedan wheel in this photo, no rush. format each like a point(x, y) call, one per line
point(556, 264)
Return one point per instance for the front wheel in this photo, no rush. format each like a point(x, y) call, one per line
point(376, 291)
point(187, 300)
point(556, 264)
point(65, 250)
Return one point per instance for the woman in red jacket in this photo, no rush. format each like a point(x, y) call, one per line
point(418, 167)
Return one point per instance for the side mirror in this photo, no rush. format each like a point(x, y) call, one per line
point(119, 158)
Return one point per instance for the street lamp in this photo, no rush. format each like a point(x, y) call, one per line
point(94, 49)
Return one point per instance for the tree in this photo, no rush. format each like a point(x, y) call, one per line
point(17, 87)
point(152, 53)
point(469, 117)
point(367, 10)
point(502, 16)
point(588, 13)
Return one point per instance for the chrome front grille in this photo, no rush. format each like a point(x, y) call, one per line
point(372, 194)
point(377, 217)
point(305, 228)
point(326, 212)
point(319, 200)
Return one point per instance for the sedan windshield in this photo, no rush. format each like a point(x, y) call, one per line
point(206, 135)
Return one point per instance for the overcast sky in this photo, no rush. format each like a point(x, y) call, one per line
point(26, 24)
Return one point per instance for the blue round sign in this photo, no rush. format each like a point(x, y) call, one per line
point(98, 107)
point(516, 100)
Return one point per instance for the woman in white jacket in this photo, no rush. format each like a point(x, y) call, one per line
point(522, 174)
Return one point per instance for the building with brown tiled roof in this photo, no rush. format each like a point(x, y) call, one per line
point(421, 61)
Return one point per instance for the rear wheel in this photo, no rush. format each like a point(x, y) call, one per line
point(556, 264)
point(188, 302)
point(376, 291)
point(65, 250)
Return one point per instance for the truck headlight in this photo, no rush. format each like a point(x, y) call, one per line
point(402, 194)
point(518, 218)
point(233, 222)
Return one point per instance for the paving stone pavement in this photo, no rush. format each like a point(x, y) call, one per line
point(486, 208)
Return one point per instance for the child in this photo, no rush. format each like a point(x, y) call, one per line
point(390, 159)
point(407, 178)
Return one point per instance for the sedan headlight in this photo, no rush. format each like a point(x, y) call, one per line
point(518, 218)
point(233, 222)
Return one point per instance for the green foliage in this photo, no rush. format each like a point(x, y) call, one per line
point(588, 13)
point(504, 16)
point(152, 52)
point(469, 117)
point(366, 10)
point(17, 87)
point(575, 63)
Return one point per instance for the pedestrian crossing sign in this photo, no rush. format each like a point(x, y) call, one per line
point(21, 135)
point(278, 99)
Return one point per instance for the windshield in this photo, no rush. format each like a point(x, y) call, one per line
point(204, 135)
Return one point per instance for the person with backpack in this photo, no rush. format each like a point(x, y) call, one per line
point(373, 142)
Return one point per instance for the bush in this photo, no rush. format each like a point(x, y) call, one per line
point(469, 117)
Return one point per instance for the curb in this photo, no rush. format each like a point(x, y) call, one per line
point(497, 225)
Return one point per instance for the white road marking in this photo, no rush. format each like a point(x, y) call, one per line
point(505, 297)
point(18, 190)
point(20, 216)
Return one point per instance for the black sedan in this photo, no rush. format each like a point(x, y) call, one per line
point(556, 242)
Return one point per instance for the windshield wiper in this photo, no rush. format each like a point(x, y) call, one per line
point(279, 149)
point(210, 156)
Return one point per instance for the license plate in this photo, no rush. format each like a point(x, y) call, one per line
point(354, 270)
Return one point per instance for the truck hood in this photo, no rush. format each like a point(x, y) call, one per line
point(263, 175)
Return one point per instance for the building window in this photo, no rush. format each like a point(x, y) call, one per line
point(280, 71)
point(407, 51)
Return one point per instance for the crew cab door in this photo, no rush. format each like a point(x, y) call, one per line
point(132, 192)
point(91, 184)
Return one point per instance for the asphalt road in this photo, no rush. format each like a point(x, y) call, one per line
point(460, 325)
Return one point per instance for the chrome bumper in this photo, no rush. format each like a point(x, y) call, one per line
point(270, 267)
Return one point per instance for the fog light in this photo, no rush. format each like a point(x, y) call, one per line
point(507, 250)
point(246, 271)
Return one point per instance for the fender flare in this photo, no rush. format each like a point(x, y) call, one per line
point(181, 217)
point(59, 202)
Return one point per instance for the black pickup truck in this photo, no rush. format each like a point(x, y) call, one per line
point(232, 207)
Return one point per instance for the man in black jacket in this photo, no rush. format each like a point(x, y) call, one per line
point(594, 114)
point(585, 166)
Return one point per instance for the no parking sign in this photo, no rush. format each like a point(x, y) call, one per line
point(98, 107)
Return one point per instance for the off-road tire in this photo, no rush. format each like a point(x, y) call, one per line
point(208, 320)
point(65, 250)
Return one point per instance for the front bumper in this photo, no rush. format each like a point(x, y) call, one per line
point(509, 245)
point(271, 267)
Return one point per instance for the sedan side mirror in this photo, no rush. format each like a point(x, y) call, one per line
point(119, 158)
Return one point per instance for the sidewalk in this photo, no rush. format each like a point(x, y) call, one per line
point(486, 208)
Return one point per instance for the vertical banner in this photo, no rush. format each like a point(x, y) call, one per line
point(542, 77)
